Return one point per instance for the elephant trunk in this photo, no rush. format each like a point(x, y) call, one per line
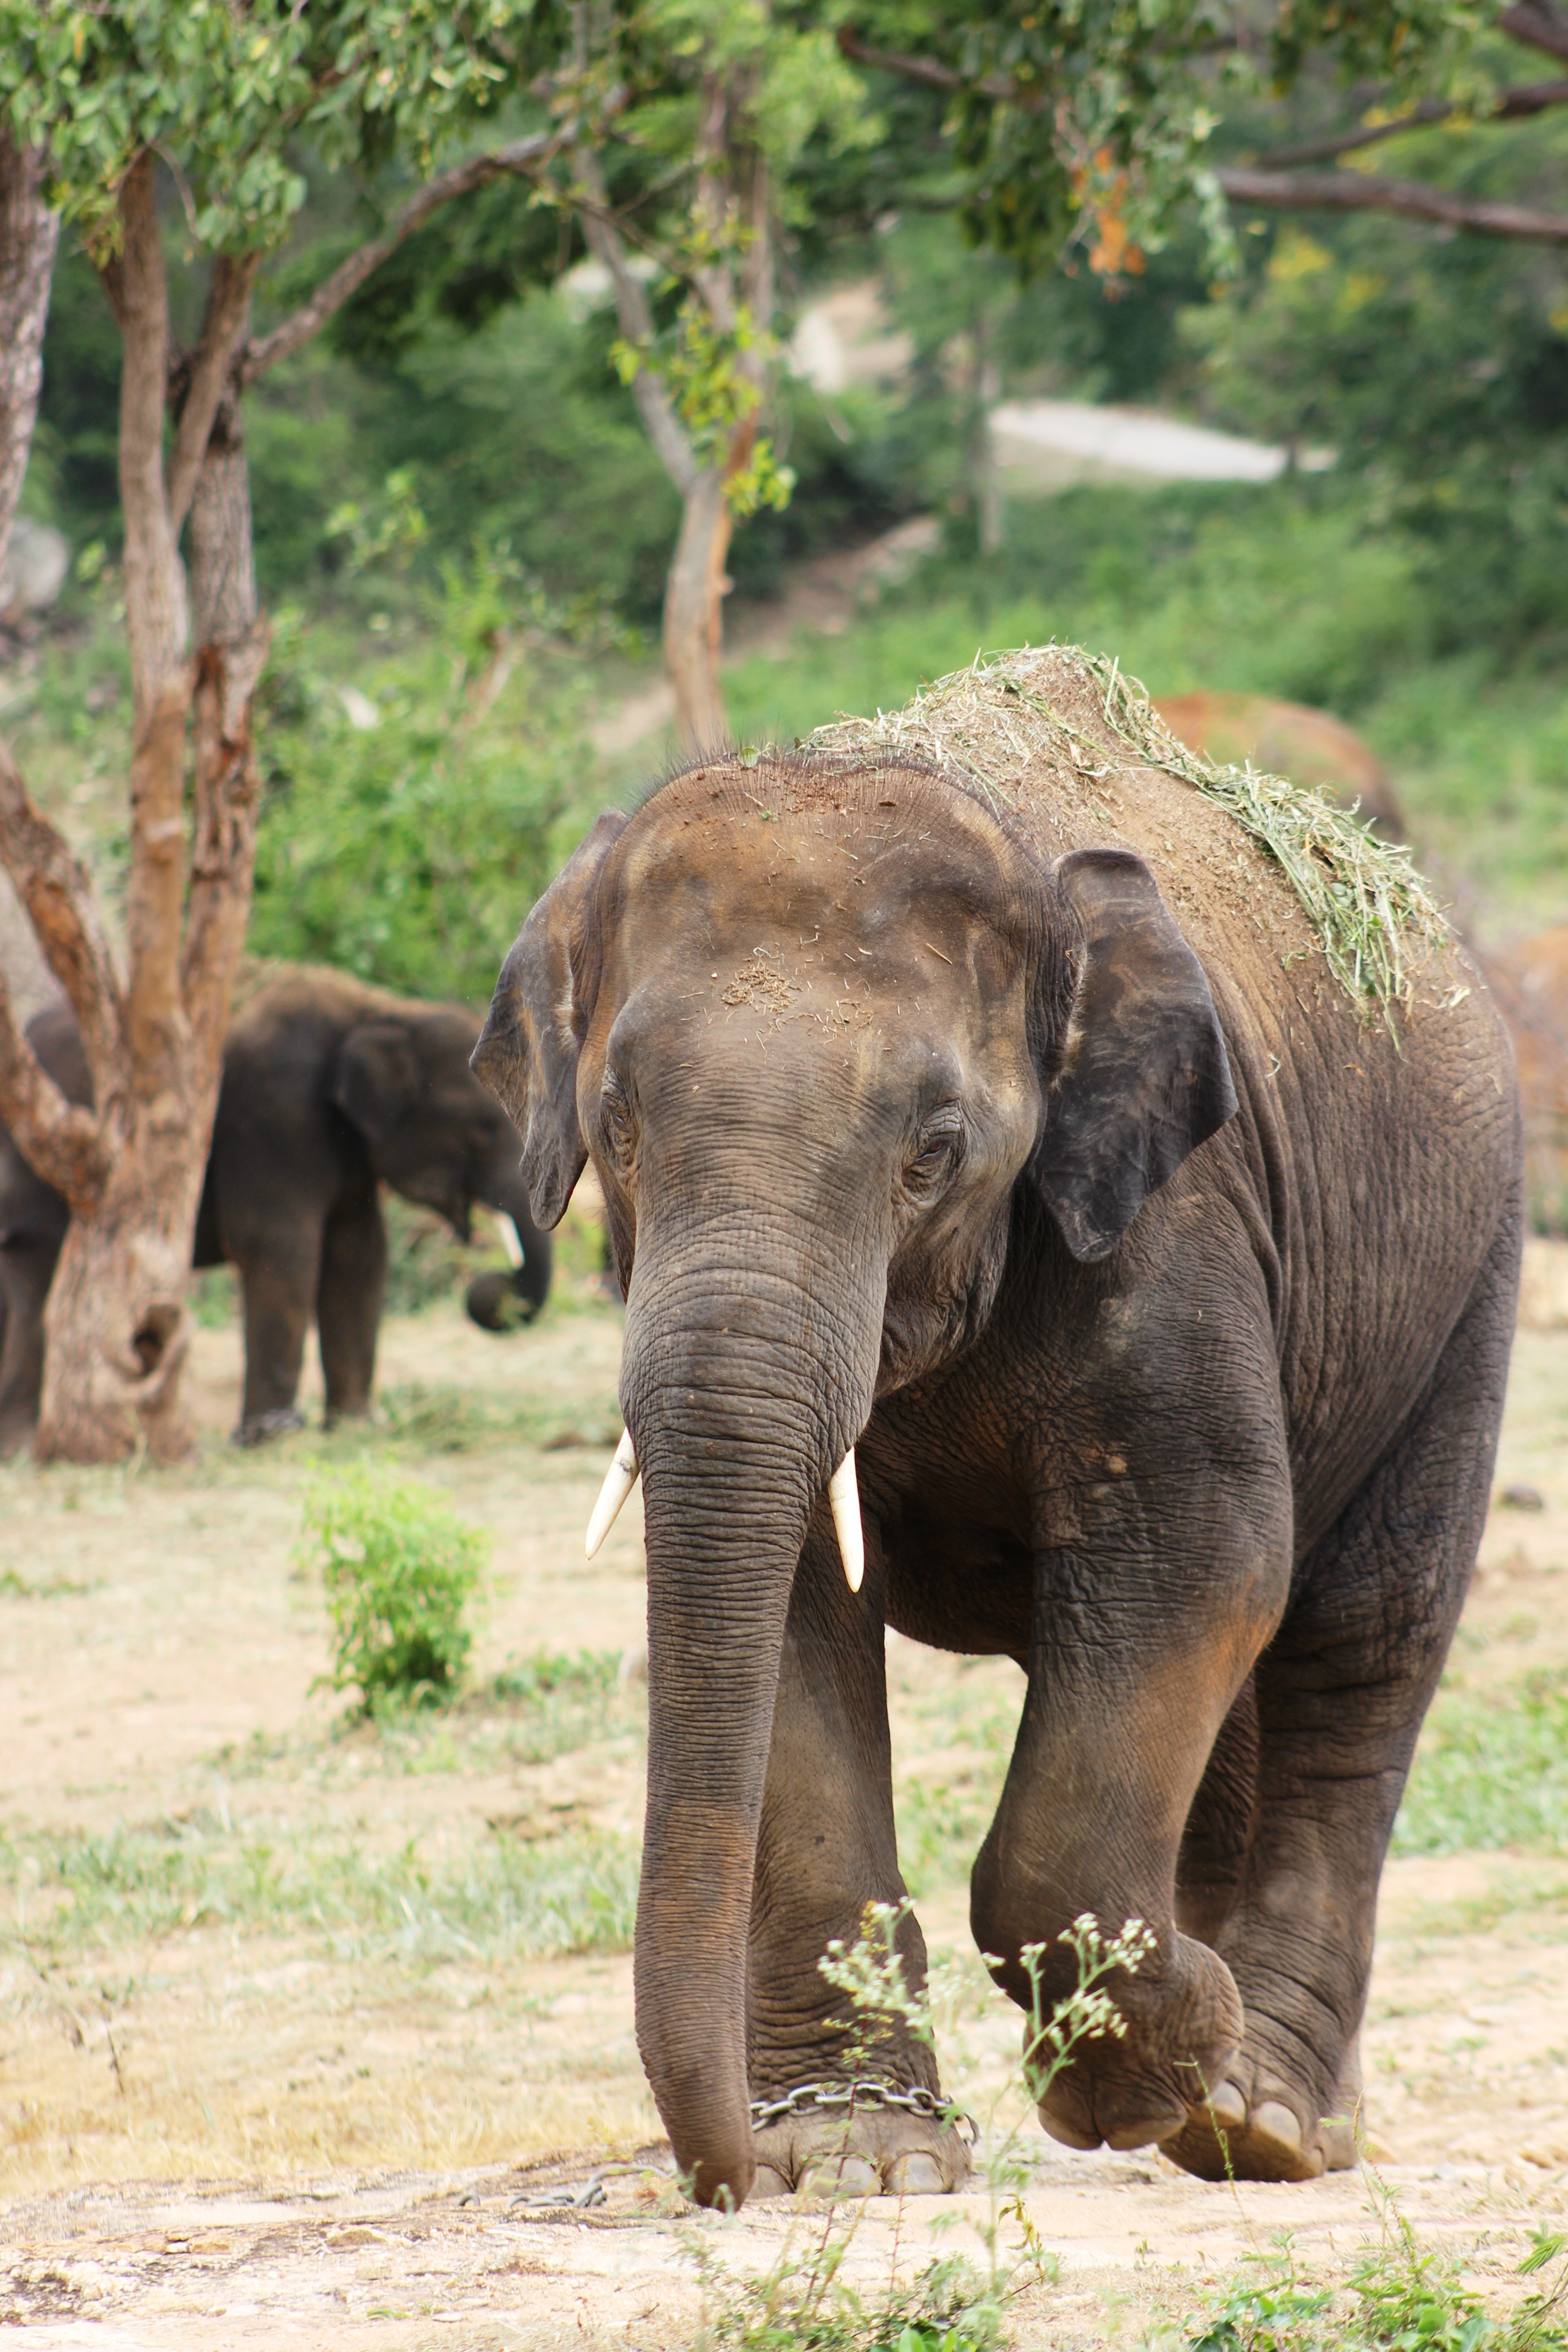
point(498, 1302)
point(743, 1393)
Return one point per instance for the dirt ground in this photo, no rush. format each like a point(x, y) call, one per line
point(235, 2117)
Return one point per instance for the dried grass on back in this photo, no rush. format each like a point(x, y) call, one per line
point(1367, 905)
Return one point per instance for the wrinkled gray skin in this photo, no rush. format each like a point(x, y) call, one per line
point(1168, 1305)
point(330, 1089)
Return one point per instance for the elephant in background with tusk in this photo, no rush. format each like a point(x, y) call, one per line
point(1028, 1154)
point(331, 1089)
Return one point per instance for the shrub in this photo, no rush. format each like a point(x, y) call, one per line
point(399, 1568)
point(406, 838)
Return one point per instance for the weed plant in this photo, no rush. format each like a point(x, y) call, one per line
point(1399, 2297)
point(399, 1568)
point(804, 2302)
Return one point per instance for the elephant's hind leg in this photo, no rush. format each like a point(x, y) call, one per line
point(1341, 1694)
point(277, 1272)
point(349, 1294)
point(825, 1849)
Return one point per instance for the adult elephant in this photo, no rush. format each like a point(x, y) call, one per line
point(1020, 1152)
point(331, 1089)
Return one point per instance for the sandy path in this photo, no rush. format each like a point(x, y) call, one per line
point(238, 2132)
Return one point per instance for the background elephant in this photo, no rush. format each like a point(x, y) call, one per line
point(331, 1089)
point(1023, 1157)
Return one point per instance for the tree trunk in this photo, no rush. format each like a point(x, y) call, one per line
point(694, 614)
point(28, 234)
point(231, 653)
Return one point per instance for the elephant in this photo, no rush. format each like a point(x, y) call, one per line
point(330, 1089)
point(1290, 738)
point(1016, 1159)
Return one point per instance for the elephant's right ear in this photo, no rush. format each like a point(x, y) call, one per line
point(539, 1016)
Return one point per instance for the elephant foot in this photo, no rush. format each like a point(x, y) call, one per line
point(262, 1427)
point(1256, 2125)
point(876, 2151)
point(1135, 2089)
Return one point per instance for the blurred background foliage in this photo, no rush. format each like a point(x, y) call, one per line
point(437, 685)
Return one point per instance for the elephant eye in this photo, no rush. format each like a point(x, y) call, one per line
point(938, 1155)
point(617, 1122)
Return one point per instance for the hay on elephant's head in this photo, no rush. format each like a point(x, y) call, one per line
point(1007, 713)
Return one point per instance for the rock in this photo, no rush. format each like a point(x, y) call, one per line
point(1522, 1498)
point(34, 573)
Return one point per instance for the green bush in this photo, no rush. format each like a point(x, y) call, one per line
point(411, 802)
point(399, 1568)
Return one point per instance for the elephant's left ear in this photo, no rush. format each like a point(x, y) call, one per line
point(1142, 1077)
point(539, 1016)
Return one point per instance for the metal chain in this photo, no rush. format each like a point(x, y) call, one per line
point(866, 2094)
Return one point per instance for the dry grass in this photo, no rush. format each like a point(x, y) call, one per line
point(990, 722)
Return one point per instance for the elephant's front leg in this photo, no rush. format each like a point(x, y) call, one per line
point(827, 1848)
point(1139, 1648)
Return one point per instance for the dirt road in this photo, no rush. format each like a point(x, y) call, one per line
point(293, 2013)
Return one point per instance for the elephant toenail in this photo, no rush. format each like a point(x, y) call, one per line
point(917, 2174)
point(1142, 2131)
point(842, 2176)
point(769, 2183)
point(1273, 2120)
point(1068, 2135)
point(1227, 2105)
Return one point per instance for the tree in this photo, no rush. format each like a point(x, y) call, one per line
point(221, 91)
point(1091, 123)
point(722, 99)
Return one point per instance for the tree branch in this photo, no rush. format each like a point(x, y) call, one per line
point(1539, 24)
point(61, 1141)
point(1360, 192)
point(28, 233)
point(522, 157)
point(54, 887)
point(654, 406)
point(222, 329)
point(1512, 106)
point(933, 75)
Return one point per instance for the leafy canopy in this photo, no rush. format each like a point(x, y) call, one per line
point(223, 87)
point(1090, 119)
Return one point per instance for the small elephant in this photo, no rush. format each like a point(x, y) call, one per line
point(331, 1089)
point(1011, 1199)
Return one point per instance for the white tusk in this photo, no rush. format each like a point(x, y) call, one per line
point(509, 1240)
point(619, 1480)
point(844, 1496)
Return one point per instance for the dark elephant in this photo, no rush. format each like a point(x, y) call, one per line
point(331, 1089)
point(1023, 1155)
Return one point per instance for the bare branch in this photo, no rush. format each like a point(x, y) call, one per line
point(154, 582)
point(223, 330)
point(654, 406)
point(1512, 106)
point(1539, 23)
point(28, 234)
point(933, 75)
point(1360, 192)
point(523, 157)
point(56, 893)
point(60, 1140)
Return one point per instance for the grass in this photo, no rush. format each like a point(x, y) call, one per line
point(1491, 1771)
point(500, 1898)
point(1254, 592)
point(981, 724)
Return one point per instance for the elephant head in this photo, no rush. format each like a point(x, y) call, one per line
point(437, 1137)
point(814, 1025)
